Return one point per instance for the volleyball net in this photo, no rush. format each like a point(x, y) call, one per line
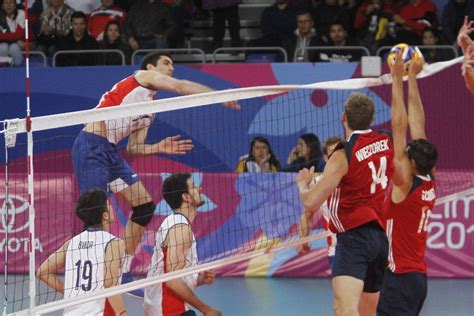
point(245, 216)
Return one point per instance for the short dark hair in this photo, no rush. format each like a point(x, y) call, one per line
point(329, 142)
point(359, 110)
point(90, 207)
point(78, 15)
point(173, 188)
point(152, 59)
point(312, 141)
point(424, 153)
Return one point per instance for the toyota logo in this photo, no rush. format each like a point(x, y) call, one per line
point(11, 208)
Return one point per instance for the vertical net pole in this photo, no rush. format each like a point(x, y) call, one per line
point(31, 213)
point(5, 208)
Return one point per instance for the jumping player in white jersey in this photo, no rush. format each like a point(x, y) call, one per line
point(175, 249)
point(91, 260)
point(96, 161)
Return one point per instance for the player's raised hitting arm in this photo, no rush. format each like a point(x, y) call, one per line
point(463, 40)
point(179, 241)
point(155, 80)
point(48, 271)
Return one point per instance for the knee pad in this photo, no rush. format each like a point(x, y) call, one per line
point(143, 214)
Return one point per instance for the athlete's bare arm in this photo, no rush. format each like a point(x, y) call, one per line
point(467, 68)
point(48, 270)
point(402, 177)
point(313, 197)
point(171, 145)
point(112, 270)
point(416, 114)
point(155, 80)
point(178, 242)
point(464, 41)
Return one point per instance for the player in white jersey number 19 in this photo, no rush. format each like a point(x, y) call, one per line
point(91, 260)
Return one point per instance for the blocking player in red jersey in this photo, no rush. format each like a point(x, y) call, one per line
point(356, 176)
point(410, 201)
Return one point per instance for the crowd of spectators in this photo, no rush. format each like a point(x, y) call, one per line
point(292, 24)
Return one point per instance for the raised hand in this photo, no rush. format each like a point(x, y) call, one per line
point(174, 146)
point(397, 70)
point(464, 41)
point(304, 178)
point(416, 66)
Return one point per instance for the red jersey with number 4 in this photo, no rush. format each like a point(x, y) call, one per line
point(407, 226)
point(359, 197)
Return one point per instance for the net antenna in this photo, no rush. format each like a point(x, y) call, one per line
point(31, 197)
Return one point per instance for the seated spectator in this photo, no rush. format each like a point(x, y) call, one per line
point(149, 25)
point(338, 38)
point(277, 23)
point(371, 21)
point(224, 11)
point(328, 12)
point(101, 16)
point(412, 19)
point(77, 39)
point(430, 37)
point(55, 22)
point(85, 6)
point(453, 16)
point(306, 154)
point(113, 40)
point(12, 31)
point(302, 37)
point(259, 159)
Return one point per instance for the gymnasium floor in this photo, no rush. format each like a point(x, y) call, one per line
point(304, 296)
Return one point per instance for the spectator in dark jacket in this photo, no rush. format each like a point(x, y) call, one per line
point(327, 13)
point(150, 24)
point(113, 40)
point(338, 37)
point(304, 36)
point(278, 22)
point(224, 10)
point(77, 39)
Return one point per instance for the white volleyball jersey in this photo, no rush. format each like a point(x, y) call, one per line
point(159, 300)
point(126, 92)
point(84, 271)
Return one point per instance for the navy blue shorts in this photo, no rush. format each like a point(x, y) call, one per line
point(362, 253)
point(402, 294)
point(98, 165)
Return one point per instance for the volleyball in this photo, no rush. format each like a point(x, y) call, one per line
point(410, 53)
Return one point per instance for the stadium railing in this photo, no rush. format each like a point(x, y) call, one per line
point(362, 49)
point(449, 48)
point(250, 49)
point(35, 56)
point(187, 55)
point(92, 51)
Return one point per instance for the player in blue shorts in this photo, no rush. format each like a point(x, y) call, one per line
point(96, 161)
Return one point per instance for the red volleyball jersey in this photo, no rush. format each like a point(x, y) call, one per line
point(359, 197)
point(407, 226)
